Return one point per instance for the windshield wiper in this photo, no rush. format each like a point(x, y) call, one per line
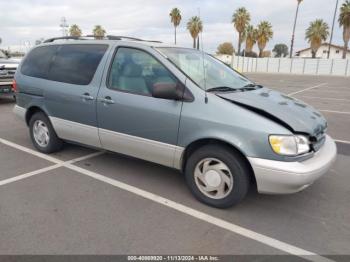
point(222, 89)
point(250, 87)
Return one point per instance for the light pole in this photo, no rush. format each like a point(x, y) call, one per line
point(295, 23)
point(330, 40)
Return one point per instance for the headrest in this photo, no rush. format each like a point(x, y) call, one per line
point(160, 71)
point(132, 70)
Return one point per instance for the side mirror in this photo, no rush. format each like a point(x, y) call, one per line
point(170, 91)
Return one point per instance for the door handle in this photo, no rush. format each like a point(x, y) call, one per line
point(87, 97)
point(107, 100)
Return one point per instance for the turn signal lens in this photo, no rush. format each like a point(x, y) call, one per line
point(289, 145)
point(284, 145)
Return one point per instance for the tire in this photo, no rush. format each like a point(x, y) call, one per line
point(53, 144)
point(206, 170)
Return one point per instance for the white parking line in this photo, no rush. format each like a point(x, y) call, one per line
point(182, 208)
point(204, 217)
point(335, 112)
point(45, 169)
point(31, 151)
point(342, 141)
point(26, 175)
point(306, 89)
point(325, 98)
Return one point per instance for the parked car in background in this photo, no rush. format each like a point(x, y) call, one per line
point(158, 103)
point(8, 69)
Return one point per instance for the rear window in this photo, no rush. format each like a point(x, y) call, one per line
point(76, 64)
point(38, 61)
point(73, 64)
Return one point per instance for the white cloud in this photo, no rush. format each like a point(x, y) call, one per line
point(28, 20)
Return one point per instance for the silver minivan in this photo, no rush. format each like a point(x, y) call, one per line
point(174, 106)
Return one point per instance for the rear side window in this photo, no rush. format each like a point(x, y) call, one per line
point(76, 64)
point(38, 61)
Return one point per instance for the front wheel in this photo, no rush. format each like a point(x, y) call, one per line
point(43, 135)
point(218, 176)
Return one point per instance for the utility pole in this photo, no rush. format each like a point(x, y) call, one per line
point(330, 40)
point(295, 23)
point(64, 26)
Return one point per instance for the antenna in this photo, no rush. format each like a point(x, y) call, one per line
point(64, 26)
point(204, 68)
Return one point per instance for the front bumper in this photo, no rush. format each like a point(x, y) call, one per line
point(277, 177)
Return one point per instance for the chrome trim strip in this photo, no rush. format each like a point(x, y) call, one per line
point(146, 149)
point(5, 83)
point(76, 132)
point(20, 112)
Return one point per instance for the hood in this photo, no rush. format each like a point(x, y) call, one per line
point(290, 112)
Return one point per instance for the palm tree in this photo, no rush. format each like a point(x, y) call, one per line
point(317, 32)
point(344, 21)
point(99, 32)
point(240, 19)
point(175, 16)
point(264, 35)
point(250, 38)
point(195, 26)
point(75, 30)
point(295, 23)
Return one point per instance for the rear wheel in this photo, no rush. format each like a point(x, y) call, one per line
point(218, 176)
point(42, 134)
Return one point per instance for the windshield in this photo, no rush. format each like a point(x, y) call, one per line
point(194, 63)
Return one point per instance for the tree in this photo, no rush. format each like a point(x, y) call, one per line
point(264, 35)
point(344, 21)
point(250, 38)
point(225, 49)
point(99, 32)
point(0, 40)
point(295, 24)
point(75, 30)
point(240, 20)
point(175, 16)
point(281, 50)
point(195, 26)
point(317, 32)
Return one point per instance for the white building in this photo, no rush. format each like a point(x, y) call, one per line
point(335, 52)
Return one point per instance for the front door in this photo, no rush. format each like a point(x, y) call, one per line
point(130, 120)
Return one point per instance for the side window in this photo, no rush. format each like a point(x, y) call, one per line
point(77, 63)
point(37, 63)
point(136, 71)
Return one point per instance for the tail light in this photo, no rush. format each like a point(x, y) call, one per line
point(14, 86)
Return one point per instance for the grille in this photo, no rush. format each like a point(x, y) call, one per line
point(318, 140)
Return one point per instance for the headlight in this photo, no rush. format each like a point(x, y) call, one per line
point(289, 145)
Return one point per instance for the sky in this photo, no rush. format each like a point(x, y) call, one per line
point(24, 21)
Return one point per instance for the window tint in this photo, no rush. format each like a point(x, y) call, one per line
point(76, 64)
point(136, 71)
point(38, 61)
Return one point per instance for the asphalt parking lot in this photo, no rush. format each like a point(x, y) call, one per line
point(82, 201)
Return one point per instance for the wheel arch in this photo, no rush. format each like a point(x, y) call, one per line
point(195, 145)
point(31, 111)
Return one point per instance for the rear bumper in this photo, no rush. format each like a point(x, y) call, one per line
point(20, 112)
point(277, 177)
point(5, 87)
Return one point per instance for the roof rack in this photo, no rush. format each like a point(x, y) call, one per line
point(108, 37)
point(50, 40)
